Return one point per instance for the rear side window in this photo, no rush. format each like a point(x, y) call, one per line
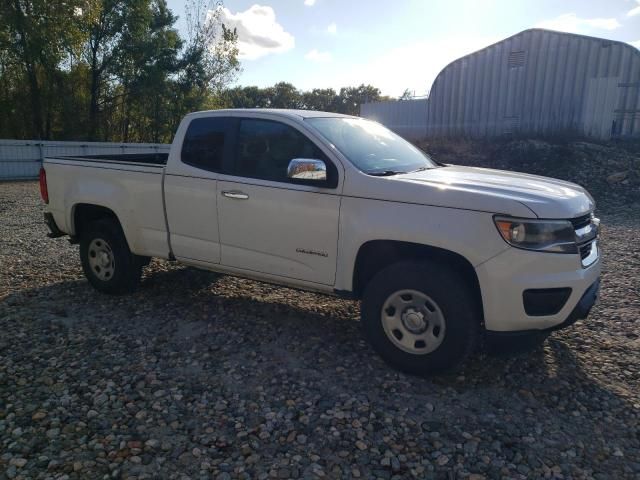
point(265, 148)
point(203, 145)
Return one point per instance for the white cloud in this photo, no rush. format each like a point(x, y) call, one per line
point(259, 33)
point(571, 23)
point(634, 11)
point(309, 3)
point(332, 28)
point(635, 44)
point(317, 56)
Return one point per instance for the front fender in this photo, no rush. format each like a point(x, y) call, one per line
point(468, 233)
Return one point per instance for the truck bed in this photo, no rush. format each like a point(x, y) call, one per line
point(129, 185)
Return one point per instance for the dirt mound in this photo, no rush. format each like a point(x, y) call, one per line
point(611, 172)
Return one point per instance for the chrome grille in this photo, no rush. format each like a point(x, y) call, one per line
point(581, 222)
point(585, 250)
point(586, 228)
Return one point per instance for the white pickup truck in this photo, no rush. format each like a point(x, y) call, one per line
point(438, 254)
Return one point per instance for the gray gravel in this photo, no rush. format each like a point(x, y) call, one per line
point(205, 376)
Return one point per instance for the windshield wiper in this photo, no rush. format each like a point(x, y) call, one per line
point(384, 173)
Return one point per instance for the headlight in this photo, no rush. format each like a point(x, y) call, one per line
point(542, 235)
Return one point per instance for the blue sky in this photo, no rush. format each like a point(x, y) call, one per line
point(396, 44)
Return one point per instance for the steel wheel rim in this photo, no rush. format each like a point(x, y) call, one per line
point(101, 259)
point(413, 322)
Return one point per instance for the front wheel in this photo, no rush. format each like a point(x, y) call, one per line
point(106, 259)
point(420, 317)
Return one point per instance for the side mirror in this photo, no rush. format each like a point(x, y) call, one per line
point(307, 169)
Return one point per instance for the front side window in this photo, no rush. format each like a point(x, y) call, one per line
point(203, 145)
point(372, 148)
point(265, 148)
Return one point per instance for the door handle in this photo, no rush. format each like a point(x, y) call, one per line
point(235, 194)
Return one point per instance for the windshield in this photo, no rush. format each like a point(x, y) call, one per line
point(371, 147)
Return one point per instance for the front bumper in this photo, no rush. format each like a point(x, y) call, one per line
point(582, 309)
point(504, 278)
point(580, 312)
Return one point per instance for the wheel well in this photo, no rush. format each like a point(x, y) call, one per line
point(375, 255)
point(84, 214)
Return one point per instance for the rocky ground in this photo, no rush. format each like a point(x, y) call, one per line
point(204, 376)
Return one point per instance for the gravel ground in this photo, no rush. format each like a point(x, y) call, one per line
point(205, 376)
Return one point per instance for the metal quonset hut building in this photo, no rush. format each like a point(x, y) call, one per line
point(536, 82)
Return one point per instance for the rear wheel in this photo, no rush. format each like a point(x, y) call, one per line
point(420, 317)
point(106, 259)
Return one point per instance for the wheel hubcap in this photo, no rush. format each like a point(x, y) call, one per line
point(413, 322)
point(101, 259)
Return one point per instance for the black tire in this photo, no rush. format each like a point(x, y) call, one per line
point(452, 296)
point(125, 268)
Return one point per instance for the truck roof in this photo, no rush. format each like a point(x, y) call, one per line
point(278, 111)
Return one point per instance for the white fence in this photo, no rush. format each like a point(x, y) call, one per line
point(21, 159)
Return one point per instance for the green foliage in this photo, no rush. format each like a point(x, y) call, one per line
point(108, 69)
point(118, 70)
point(35, 37)
point(323, 99)
point(285, 95)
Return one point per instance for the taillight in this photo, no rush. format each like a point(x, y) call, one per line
point(44, 193)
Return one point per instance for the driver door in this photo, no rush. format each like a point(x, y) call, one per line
point(268, 223)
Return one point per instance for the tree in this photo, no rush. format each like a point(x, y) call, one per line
point(284, 95)
point(36, 34)
point(118, 70)
point(144, 73)
point(322, 99)
point(109, 69)
point(406, 95)
point(104, 28)
point(211, 45)
point(210, 61)
point(246, 97)
point(351, 98)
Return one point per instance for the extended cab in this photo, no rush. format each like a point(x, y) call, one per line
point(438, 254)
